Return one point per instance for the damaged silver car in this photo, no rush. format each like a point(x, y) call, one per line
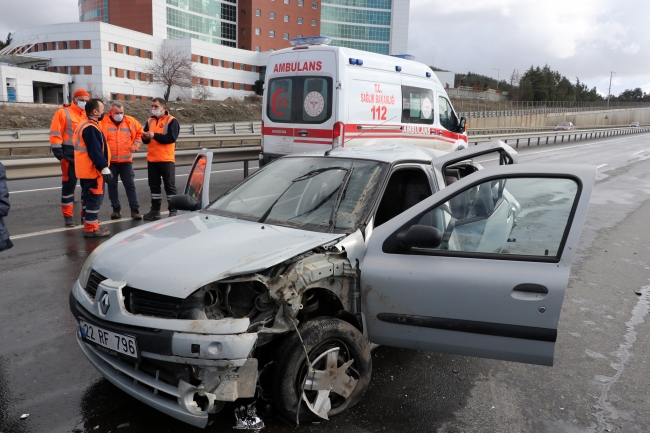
point(278, 288)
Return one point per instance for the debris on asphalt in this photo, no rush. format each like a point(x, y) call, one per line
point(24, 416)
point(126, 424)
point(638, 292)
point(247, 419)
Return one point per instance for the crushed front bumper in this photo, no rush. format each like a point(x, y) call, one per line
point(220, 361)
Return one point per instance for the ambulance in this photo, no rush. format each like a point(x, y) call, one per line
point(319, 97)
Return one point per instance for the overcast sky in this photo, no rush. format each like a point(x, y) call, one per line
point(579, 38)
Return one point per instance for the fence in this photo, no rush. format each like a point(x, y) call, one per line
point(482, 108)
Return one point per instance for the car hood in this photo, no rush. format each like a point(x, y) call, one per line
point(176, 256)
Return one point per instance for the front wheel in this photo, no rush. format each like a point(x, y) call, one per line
point(341, 367)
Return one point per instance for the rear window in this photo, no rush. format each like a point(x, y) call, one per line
point(417, 105)
point(299, 99)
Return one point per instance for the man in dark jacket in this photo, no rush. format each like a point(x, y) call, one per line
point(5, 242)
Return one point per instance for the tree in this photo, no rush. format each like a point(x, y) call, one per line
point(202, 92)
point(633, 95)
point(7, 42)
point(171, 67)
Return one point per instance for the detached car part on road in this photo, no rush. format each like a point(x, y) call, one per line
point(315, 256)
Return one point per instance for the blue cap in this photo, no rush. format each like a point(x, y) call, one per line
point(428, 74)
point(353, 61)
point(359, 62)
point(398, 68)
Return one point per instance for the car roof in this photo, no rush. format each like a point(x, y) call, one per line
point(390, 153)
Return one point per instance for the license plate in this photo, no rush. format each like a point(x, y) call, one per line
point(109, 341)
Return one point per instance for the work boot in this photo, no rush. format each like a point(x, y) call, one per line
point(135, 214)
point(172, 213)
point(69, 222)
point(116, 213)
point(153, 215)
point(99, 233)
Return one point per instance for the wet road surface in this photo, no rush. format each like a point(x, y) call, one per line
point(600, 380)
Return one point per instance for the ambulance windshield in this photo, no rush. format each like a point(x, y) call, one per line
point(299, 99)
point(323, 194)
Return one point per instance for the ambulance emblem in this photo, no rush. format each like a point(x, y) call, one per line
point(314, 104)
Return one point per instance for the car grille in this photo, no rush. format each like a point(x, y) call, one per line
point(93, 282)
point(151, 304)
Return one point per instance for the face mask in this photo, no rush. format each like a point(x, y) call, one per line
point(101, 116)
point(157, 113)
point(118, 117)
point(81, 104)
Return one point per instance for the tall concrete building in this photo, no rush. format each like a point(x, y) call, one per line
point(380, 26)
point(206, 20)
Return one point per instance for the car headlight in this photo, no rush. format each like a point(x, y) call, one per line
point(87, 267)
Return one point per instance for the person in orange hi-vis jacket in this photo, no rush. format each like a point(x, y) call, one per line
point(92, 157)
point(123, 134)
point(64, 123)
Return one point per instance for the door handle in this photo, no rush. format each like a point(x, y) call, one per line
point(303, 133)
point(529, 292)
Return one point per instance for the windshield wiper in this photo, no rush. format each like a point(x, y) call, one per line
point(305, 176)
point(339, 197)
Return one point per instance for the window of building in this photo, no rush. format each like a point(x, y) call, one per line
point(314, 5)
point(272, 15)
point(126, 49)
point(199, 59)
point(257, 48)
point(243, 12)
point(137, 52)
point(313, 23)
point(299, 20)
point(56, 45)
point(285, 36)
point(258, 12)
point(65, 45)
point(232, 65)
point(113, 72)
point(271, 33)
point(258, 31)
point(82, 70)
point(301, 3)
point(253, 68)
point(243, 31)
point(231, 85)
point(242, 67)
point(80, 45)
point(114, 96)
point(299, 36)
point(286, 18)
point(286, 2)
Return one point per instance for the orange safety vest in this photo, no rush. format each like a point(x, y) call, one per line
point(157, 152)
point(122, 139)
point(84, 166)
point(63, 125)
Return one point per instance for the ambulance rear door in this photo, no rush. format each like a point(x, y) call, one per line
point(313, 100)
point(278, 106)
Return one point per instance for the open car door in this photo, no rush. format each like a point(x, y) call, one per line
point(198, 179)
point(479, 268)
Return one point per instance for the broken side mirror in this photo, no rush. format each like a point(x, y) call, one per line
point(184, 202)
point(420, 236)
point(462, 125)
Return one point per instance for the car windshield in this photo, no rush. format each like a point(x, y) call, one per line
point(317, 193)
point(564, 124)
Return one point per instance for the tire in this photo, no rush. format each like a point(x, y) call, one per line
point(319, 335)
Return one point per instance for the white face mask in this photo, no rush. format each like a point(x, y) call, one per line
point(157, 113)
point(81, 104)
point(118, 117)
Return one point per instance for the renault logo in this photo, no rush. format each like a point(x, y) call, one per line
point(104, 304)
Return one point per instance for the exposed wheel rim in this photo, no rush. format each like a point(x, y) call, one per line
point(332, 380)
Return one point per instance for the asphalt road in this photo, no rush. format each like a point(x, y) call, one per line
point(600, 380)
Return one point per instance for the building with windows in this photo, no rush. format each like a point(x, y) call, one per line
point(380, 26)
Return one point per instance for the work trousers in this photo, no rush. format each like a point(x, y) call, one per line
point(68, 184)
point(125, 171)
point(92, 195)
point(167, 172)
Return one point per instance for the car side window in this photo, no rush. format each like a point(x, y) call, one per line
point(406, 188)
point(195, 185)
point(448, 119)
point(524, 216)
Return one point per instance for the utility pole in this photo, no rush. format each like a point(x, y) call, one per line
point(609, 92)
point(132, 88)
point(497, 77)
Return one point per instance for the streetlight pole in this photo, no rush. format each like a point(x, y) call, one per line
point(609, 92)
point(498, 72)
point(132, 88)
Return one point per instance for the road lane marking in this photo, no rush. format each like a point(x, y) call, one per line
point(600, 166)
point(136, 180)
point(641, 151)
point(67, 229)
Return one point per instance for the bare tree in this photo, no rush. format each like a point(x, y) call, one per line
point(172, 67)
point(92, 89)
point(202, 92)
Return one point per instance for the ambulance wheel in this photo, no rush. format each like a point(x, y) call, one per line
point(342, 366)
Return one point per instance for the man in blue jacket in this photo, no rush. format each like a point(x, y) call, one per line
point(5, 242)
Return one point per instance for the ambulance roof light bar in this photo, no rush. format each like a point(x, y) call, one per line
point(404, 56)
point(310, 40)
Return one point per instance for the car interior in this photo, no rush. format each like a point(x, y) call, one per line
point(406, 188)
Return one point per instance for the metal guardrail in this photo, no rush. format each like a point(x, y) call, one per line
point(50, 167)
point(547, 110)
point(523, 129)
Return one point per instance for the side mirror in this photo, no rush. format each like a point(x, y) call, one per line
point(258, 88)
point(462, 125)
point(420, 236)
point(183, 202)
